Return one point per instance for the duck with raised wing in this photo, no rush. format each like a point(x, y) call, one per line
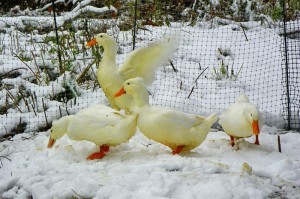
point(241, 119)
point(141, 62)
point(99, 124)
point(177, 130)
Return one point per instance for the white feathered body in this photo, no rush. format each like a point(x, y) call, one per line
point(165, 125)
point(98, 124)
point(174, 128)
point(234, 121)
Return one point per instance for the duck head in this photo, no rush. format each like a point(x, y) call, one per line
point(131, 86)
point(242, 98)
point(252, 115)
point(138, 90)
point(58, 129)
point(104, 40)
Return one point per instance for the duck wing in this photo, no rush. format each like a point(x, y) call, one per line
point(144, 61)
point(98, 118)
point(170, 118)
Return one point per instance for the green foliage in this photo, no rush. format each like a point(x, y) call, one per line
point(70, 46)
point(222, 72)
point(13, 100)
point(24, 58)
point(69, 93)
point(67, 49)
point(49, 39)
point(274, 9)
point(2, 45)
point(241, 10)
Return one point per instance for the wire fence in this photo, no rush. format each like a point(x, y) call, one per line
point(290, 72)
point(47, 72)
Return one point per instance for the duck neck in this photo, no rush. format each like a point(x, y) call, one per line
point(141, 100)
point(110, 52)
point(108, 63)
point(61, 126)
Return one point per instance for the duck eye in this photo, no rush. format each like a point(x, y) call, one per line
point(128, 83)
point(101, 35)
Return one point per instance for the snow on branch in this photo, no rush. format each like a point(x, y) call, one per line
point(46, 22)
point(76, 12)
point(50, 4)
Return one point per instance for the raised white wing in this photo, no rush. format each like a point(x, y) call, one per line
point(144, 61)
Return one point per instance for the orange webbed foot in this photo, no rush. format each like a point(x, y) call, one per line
point(99, 155)
point(256, 140)
point(232, 140)
point(178, 150)
point(104, 148)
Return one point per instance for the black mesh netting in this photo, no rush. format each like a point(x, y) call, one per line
point(220, 54)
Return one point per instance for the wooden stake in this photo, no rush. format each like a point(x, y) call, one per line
point(44, 108)
point(279, 144)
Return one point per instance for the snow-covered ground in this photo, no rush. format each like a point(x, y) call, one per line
point(142, 168)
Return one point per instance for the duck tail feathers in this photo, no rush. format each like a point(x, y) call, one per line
point(212, 119)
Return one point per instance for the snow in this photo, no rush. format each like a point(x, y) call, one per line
point(142, 168)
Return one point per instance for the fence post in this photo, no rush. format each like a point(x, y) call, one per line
point(134, 23)
point(57, 42)
point(286, 65)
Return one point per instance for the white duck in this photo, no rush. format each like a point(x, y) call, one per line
point(177, 130)
point(241, 119)
point(99, 124)
point(141, 62)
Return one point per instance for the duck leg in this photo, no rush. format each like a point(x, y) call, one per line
point(178, 149)
point(232, 140)
point(99, 155)
point(256, 140)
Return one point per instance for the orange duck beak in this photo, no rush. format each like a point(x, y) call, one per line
point(51, 142)
point(91, 43)
point(120, 92)
point(255, 127)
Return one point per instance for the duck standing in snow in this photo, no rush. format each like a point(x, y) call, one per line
point(177, 130)
point(241, 119)
point(99, 124)
point(141, 62)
